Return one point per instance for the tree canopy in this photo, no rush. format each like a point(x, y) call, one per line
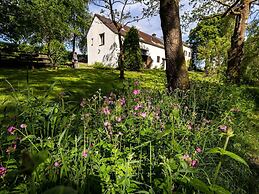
point(210, 41)
point(40, 22)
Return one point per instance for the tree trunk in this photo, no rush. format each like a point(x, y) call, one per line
point(176, 71)
point(49, 54)
point(74, 43)
point(236, 52)
point(121, 56)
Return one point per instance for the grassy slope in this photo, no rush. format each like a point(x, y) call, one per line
point(83, 83)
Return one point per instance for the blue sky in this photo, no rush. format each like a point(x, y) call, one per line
point(150, 25)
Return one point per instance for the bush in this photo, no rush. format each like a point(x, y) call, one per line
point(99, 65)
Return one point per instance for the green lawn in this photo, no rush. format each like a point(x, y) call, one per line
point(77, 83)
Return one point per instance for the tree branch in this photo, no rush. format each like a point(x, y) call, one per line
point(230, 9)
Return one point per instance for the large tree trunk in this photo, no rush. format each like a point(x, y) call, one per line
point(176, 71)
point(236, 52)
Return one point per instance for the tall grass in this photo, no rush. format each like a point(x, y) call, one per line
point(134, 141)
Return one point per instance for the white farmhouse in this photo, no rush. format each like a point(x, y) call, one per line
point(103, 45)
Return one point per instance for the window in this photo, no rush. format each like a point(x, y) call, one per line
point(101, 39)
point(92, 42)
point(163, 61)
point(189, 54)
point(158, 59)
point(185, 53)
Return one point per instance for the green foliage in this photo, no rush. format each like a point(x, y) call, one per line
point(210, 41)
point(56, 52)
point(132, 52)
point(137, 140)
point(41, 22)
point(250, 63)
point(14, 22)
point(99, 65)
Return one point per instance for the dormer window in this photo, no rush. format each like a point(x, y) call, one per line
point(101, 39)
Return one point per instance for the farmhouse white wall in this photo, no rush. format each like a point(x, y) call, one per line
point(154, 52)
point(187, 53)
point(107, 53)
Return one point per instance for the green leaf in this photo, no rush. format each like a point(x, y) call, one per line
point(61, 137)
point(199, 185)
point(11, 138)
point(164, 133)
point(235, 157)
point(229, 154)
point(219, 190)
point(28, 137)
point(215, 151)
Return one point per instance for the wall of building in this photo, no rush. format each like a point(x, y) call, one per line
point(107, 53)
point(154, 52)
point(187, 53)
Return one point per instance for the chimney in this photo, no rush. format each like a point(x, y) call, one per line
point(154, 35)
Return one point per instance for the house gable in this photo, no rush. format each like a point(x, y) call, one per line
point(101, 44)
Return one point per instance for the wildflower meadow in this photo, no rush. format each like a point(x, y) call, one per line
point(135, 140)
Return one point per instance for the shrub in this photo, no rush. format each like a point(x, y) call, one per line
point(99, 65)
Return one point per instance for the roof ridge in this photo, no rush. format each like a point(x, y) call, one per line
point(145, 37)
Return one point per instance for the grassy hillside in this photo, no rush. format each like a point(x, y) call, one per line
point(161, 133)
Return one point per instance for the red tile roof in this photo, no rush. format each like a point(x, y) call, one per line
point(143, 37)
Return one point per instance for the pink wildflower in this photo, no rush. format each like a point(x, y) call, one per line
point(11, 130)
point(189, 126)
point(122, 101)
point(223, 128)
point(136, 92)
point(85, 153)
point(137, 107)
point(198, 149)
point(118, 119)
point(143, 114)
point(3, 171)
point(136, 83)
point(106, 111)
point(23, 126)
point(106, 123)
point(56, 164)
point(194, 163)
